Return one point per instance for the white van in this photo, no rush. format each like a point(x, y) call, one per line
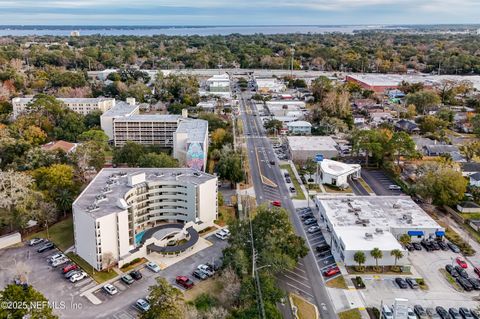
point(387, 312)
point(223, 234)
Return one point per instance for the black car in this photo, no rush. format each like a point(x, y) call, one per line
point(475, 283)
point(475, 313)
point(307, 216)
point(466, 314)
point(322, 248)
point(465, 284)
point(417, 246)
point(197, 273)
point(292, 189)
point(462, 272)
point(401, 283)
point(409, 247)
point(452, 271)
point(136, 275)
point(288, 180)
point(453, 248)
point(427, 245)
point(412, 283)
point(45, 247)
point(310, 221)
point(420, 312)
point(443, 245)
point(454, 313)
point(435, 245)
point(442, 312)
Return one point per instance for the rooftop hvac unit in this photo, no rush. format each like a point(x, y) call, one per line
point(351, 210)
point(378, 231)
point(396, 206)
point(368, 236)
point(357, 209)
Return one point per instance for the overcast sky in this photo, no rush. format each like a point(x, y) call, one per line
point(237, 12)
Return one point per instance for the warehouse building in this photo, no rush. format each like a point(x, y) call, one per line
point(299, 128)
point(301, 148)
point(362, 223)
point(129, 213)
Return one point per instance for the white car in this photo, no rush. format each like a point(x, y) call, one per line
point(35, 241)
point(223, 234)
point(411, 314)
point(110, 289)
point(313, 229)
point(52, 258)
point(60, 261)
point(78, 276)
point(202, 267)
point(394, 188)
point(153, 266)
point(142, 305)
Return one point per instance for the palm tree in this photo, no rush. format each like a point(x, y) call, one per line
point(405, 239)
point(64, 200)
point(377, 254)
point(360, 258)
point(398, 254)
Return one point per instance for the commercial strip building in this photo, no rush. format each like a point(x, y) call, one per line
point(83, 106)
point(187, 137)
point(120, 206)
point(269, 85)
point(337, 173)
point(299, 128)
point(301, 148)
point(362, 223)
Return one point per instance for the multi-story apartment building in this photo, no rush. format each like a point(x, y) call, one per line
point(121, 206)
point(83, 106)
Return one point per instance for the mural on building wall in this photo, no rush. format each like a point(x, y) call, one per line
point(195, 156)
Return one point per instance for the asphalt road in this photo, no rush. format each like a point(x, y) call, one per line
point(260, 153)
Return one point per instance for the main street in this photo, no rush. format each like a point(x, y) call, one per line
point(268, 183)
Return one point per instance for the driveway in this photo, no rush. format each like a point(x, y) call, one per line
point(379, 182)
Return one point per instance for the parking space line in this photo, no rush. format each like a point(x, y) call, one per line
point(303, 291)
point(329, 256)
point(305, 278)
point(296, 268)
point(301, 283)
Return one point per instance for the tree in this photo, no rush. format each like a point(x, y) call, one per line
point(229, 166)
point(476, 124)
point(405, 239)
point(423, 100)
point(94, 135)
point(107, 260)
point(360, 258)
point(128, 153)
point(15, 192)
point(441, 185)
point(92, 119)
point(432, 124)
point(157, 160)
point(377, 254)
point(17, 294)
point(88, 155)
point(220, 137)
point(411, 111)
point(397, 254)
point(273, 125)
point(166, 301)
point(470, 150)
point(43, 212)
point(402, 143)
point(54, 179)
point(320, 87)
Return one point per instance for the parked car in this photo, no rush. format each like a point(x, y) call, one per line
point(461, 262)
point(207, 270)
point(453, 248)
point(412, 283)
point(223, 234)
point(70, 273)
point(313, 229)
point(411, 314)
point(443, 245)
point(197, 273)
point(52, 258)
point(45, 247)
point(401, 283)
point(452, 271)
point(142, 305)
point(288, 180)
point(137, 275)
point(477, 271)
point(427, 245)
point(465, 313)
point(409, 247)
point(322, 248)
point(307, 216)
point(432, 313)
point(127, 279)
point(465, 284)
point(276, 203)
point(387, 313)
point(310, 221)
point(78, 276)
point(475, 283)
point(442, 312)
point(153, 266)
point(60, 261)
point(420, 312)
point(454, 313)
point(462, 272)
point(475, 313)
point(434, 245)
point(292, 189)
point(184, 281)
point(417, 246)
point(217, 263)
point(394, 187)
point(110, 289)
point(68, 268)
point(331, 271)
point(35, 241)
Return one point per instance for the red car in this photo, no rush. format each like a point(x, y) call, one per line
point(331, 272)
point(184, 281)
point(277, 203)
point(477, 270)
point(68, 268)
point(461, 262)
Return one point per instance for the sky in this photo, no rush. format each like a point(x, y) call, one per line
point(237, 12)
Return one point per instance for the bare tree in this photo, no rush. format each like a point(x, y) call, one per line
point(231, 289)
point(108, 260)
point(15, 191)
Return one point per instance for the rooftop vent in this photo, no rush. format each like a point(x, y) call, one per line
point(368, 236)
point(100, 197)
point(397, 206)
point(93, 207)
point(378, 231)
point(351, 210)
point(106, 190)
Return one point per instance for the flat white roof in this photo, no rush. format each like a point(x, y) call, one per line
point(354, 238)
point(338, 168)
point(299, 124)
point(311, 143)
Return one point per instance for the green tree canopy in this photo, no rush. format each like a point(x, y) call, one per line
point(157, 160)
point(18, 294)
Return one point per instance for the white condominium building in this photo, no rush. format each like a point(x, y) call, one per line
point(121, 207)
point(83, 106)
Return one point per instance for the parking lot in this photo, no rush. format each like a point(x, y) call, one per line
point(379, 182)
point(51, 282)
point(426, 265)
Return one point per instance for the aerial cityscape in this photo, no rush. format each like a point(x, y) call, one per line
point(210, 160)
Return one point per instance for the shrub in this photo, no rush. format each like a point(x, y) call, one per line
point(204, 302)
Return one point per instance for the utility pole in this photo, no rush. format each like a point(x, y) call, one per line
point(292, 51)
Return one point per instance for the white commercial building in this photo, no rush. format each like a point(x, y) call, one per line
point(128, 213)
point(269, 85)
point(83, 106)
point(299, 128)
point(218, 85)
point(187, 137)
point(337, 173)
point(302, 148)
point(362, 223)
point(286, 108)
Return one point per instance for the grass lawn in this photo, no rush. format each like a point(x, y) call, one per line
point(337, 282)
point(470, 215)
point(210, 286)
point(333, 189)
point(370, 271)
point(98, 276)
point(451, 280)
point(226, 214)
point(350, 314)
point(132, 266)
point(305, 310)
point(365, 185)
point(299, 193)
point(61, 234)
